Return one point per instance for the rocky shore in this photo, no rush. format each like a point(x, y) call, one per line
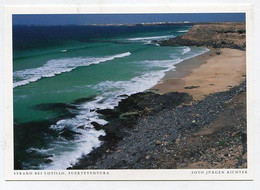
point(216, 35)
point(148, 130)
point(174, 129)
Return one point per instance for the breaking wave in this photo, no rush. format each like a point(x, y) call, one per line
point(58, 66)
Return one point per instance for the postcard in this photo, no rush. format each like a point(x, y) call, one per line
point(126, 93)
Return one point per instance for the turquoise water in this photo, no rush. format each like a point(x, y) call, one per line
point(71, 69)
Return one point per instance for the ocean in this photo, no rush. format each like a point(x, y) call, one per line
point(63, 74)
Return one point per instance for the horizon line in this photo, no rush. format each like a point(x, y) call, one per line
point(132, 24)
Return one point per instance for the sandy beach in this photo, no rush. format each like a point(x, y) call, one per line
point(215, 71)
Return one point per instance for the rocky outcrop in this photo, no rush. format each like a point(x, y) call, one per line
point(216, 35)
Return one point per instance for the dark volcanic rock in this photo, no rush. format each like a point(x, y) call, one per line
point(81, 127)
point(159, 139)
point(109, 113)
point(191, 87)
point(96, 125)
point(134, 107)
point(47, 161)
point(81, 100)
point(68, 134)
point(150, 101)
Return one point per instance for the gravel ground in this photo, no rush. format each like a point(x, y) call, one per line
point(148, 130)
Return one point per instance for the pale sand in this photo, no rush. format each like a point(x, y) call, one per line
point(206, 74)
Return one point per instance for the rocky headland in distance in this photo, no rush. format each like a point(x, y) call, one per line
point(215, 35)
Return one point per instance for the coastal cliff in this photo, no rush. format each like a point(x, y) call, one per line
point(219, 35)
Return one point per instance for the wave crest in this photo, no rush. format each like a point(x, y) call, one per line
point(58, 66)
point(186, 50)
point(182, 31)
point(148, 40)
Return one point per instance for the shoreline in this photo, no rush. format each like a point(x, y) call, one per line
point(175, 129)
point(214, 71)
point(194, 118)
point(183, 69)
point(173, 132)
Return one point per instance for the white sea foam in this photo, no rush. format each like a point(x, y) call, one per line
point(183, 31)
point(38, 151)
point(111, 91)
point(167, 64)
point(67, 152)
point(186, 50)
point(202, 51)
point(58, 66)
point(86, 141)
point(148, 40)
point(74, 150)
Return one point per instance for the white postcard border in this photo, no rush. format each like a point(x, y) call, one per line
point(136, 174)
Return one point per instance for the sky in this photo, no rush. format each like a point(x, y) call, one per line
point(82, 19)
